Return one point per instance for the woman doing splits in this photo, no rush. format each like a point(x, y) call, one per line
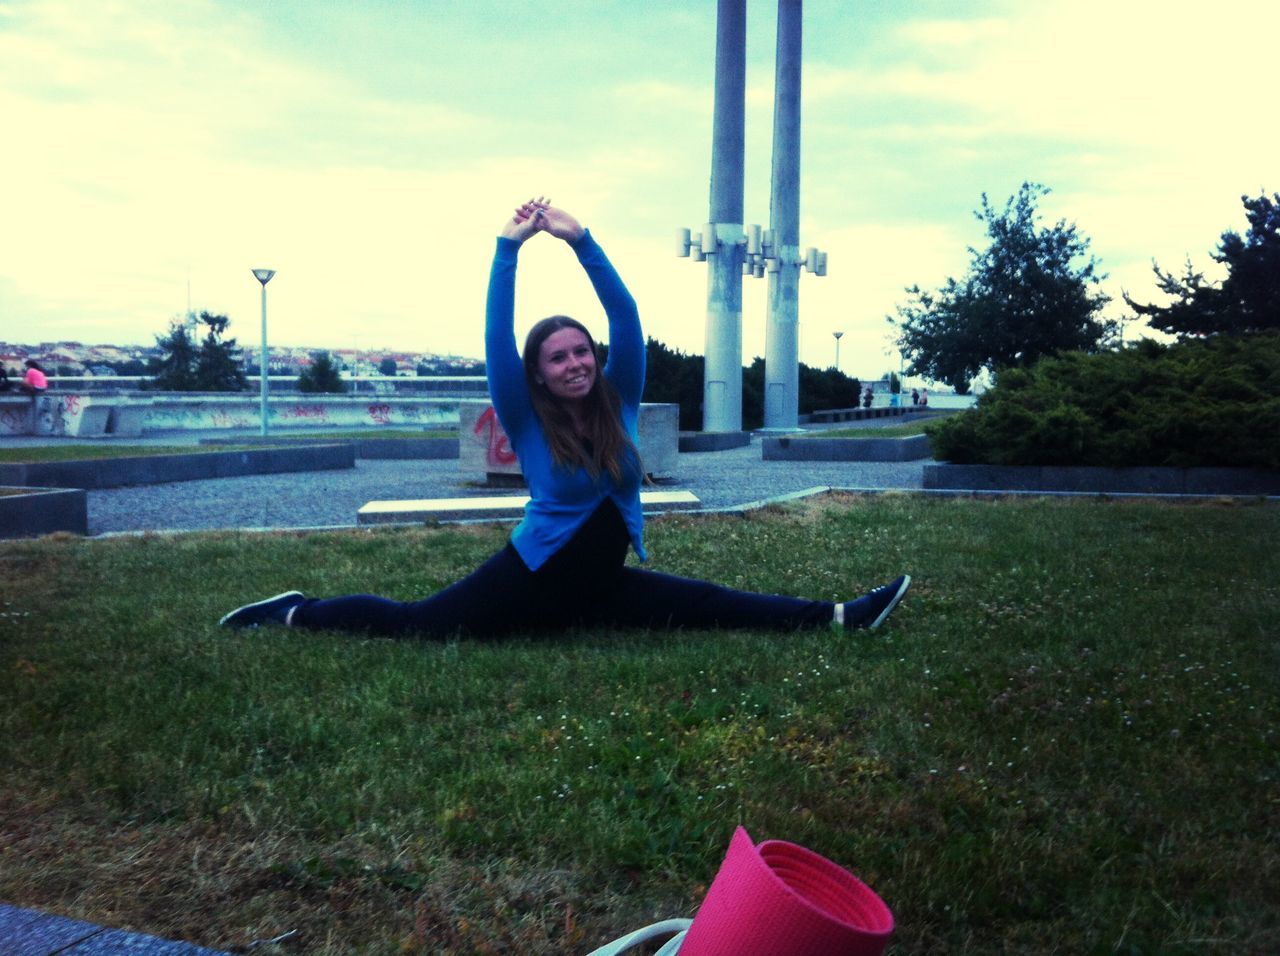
point(573, 427)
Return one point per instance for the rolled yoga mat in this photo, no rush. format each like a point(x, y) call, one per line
point(779, 899)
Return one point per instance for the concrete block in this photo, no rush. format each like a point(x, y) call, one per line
point(495, 507)
point(29, 933)
point(910, 448)
point(485, 453)
point(155, 469)
point(31, 512)
point(712, 441)
point(17, 414)
point(78, 415)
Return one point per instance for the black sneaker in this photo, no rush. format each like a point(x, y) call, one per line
point(273, 610)
point(870, 610)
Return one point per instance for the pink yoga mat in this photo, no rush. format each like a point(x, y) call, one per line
point(779, 899)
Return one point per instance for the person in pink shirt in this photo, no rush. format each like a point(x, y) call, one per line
point(34, 382)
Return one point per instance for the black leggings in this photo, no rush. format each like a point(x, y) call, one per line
point(586, 582)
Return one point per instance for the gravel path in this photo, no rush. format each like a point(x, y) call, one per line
point(331, 498)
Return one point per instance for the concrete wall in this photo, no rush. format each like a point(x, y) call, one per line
point(484, 450)
point(133, 414)
point(36, 511)
point(154, 469)
point(208, 412)
point(72, 414)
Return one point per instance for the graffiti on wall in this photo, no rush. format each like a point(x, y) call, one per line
point(498, 451)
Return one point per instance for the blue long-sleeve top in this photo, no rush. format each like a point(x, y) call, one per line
point(562, 499)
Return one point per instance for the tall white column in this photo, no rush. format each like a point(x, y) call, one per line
point(722, 372)
point(782, 331)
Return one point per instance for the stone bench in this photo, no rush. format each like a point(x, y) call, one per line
point(485, 454)
point(503, 506)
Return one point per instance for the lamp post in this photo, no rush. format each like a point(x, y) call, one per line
point(837, 336)
point(263, 276)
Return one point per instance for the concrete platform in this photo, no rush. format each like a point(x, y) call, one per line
point(25, 932)
point(500, 506)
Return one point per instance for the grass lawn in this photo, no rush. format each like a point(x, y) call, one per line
point(82, 452)
point(43, 453)
point(878, 431)
point(1065, 739)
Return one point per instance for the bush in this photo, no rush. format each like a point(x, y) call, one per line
point(1212, 402)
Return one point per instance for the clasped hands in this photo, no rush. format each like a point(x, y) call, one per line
point(538, 215)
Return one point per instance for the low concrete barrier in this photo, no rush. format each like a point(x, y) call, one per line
point(31, 512)
point(212, 412)
point(911, 448)
point(75, 415)
point(155, 469)
point(713, 441)
point(430, 449)
point(486, 454)
point(1152, 480)
point(496, 507)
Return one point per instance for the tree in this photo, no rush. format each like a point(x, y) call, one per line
point(387, 367)
point(175, 370)
point(1032, 292)
point(218, 361)
point(1247, 300)
point(321, 375)
point(213, 367)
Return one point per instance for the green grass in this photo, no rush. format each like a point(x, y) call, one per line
point(1065, 740)
point(82, 452)
point(878, 431)
point(42, 453)
point(369, 434)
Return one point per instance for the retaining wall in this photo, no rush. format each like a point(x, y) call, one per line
point(911, 448)
point(154, 469)
point(36, 511)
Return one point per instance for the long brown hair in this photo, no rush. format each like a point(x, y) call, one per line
point(607, 441)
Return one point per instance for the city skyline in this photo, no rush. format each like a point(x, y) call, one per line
point(160, 151)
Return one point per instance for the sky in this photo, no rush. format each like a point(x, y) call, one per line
point(154, 152)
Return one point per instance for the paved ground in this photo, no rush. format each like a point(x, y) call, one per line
point(332, 498)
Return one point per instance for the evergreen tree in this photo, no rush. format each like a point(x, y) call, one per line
point(321, 375)
point(213, 367)
point(1247, 300)
point(175, 370)
point(218, 361)
point(1031, 292)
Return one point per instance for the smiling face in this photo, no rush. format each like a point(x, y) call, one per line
point(567, 365)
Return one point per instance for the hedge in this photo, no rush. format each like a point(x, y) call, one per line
point(1198, 403)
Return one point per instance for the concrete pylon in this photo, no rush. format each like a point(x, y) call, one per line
point(782, 329)
point(722, 371)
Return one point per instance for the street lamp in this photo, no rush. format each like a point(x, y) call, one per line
point(263, 276)
point(837, 336)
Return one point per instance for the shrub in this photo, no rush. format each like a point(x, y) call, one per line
point(1212, 402)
